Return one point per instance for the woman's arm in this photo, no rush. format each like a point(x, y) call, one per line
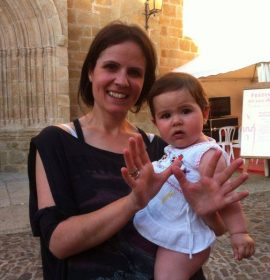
point(79, 233)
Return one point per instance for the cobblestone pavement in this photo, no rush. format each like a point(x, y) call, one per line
point(221, 265)
point(19, 257)
point(20, 260)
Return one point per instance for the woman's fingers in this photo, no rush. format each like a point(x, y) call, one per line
point(180, 176)
point(234, 183)
point(129, 159)
point(137, 155)
point(127, 178)
point(133, 150)
point(213, 164)
point(208, 195)
point(229, 171)
point(131, 156)
point(233, 197)
point(144, 158)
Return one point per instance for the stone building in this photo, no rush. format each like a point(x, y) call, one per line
point(42, 47)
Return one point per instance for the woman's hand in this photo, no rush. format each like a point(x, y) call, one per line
point(209, 194)
point(139, 173)
point(212, 193)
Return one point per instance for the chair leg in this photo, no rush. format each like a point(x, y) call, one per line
point(231, 152)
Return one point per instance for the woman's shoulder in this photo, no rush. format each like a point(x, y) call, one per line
point(49, 131)
point(52, 134)
point(154, 144)
point(150, 137)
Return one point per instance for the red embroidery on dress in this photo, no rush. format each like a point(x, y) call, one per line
point(174, 186)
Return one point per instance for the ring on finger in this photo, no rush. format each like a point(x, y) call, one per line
point(134, 173)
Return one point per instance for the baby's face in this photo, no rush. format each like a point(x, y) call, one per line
point(179, 118)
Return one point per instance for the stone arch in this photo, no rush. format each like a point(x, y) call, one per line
point(31, 41)
point(29, 23)
point(33, 74)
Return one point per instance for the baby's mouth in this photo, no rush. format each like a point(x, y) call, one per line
point(178, 133)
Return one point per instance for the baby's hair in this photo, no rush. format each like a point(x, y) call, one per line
point(176, 81)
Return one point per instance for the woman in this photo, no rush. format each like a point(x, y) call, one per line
point(79, 204)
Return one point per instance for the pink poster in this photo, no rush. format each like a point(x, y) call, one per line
point(255, 140)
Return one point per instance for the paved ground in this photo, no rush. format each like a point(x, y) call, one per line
point(19, 251)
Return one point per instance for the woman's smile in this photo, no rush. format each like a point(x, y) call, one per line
point(117, 95)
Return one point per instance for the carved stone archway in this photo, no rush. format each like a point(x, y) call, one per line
point(33, 74)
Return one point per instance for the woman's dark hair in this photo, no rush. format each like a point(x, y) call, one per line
point(116, 33)
point(175, 81)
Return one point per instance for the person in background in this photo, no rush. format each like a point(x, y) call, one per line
point(80, 206)
point(179, 108)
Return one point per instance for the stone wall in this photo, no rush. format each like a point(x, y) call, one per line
point(14, 147)
point(42, 48)
point(165, 30)
point(33, 74)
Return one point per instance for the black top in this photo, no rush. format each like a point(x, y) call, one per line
point(82, 179)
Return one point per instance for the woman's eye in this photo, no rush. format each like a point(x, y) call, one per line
point(135, 73)
point(111, 67)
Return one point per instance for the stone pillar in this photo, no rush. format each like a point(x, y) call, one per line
point(34, 90)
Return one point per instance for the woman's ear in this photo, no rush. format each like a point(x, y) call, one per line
point(90, 76)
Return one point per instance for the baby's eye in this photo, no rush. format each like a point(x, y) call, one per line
point(165, 116)
point(186, 111)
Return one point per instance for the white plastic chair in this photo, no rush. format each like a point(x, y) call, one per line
point(226, 135)
point(236, 143)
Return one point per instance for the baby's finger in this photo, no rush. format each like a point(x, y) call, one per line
point(242, 252)
point(250, 251)
point(253, 249)
point(235, 253)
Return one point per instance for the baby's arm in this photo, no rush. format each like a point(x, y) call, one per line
point(232, 216)
point(243, 245)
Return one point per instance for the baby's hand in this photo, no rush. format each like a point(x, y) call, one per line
point(243, 245)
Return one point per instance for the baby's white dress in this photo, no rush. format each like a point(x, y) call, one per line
point(168, 220)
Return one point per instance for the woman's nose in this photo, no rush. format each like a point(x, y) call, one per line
point(121, 79)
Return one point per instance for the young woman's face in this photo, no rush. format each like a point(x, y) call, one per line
point(179, 118)
point(118, 77)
